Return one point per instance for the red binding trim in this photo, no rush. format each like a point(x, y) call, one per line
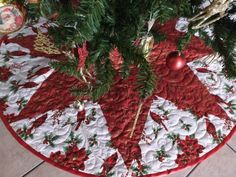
point(89, 175)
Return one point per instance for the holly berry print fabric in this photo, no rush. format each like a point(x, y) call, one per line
point(190, 115)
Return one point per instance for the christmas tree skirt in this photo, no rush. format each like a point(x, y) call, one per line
point(189, 117)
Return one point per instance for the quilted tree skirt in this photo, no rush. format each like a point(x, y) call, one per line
point(189, 117)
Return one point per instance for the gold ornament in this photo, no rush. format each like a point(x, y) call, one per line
point(217, 9)
point(2, 3)
point(43, 44)
point(147, 44)
point(33, 1)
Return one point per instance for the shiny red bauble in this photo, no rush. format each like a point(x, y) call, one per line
point(175, 61)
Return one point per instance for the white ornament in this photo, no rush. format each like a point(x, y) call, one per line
point(79, 105)
point(11, 19)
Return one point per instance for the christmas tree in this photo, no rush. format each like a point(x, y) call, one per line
point(111, 36)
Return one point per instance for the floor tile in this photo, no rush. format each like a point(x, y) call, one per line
point(47, 170)
point(232, 142)
point(15, 159)
point(221, 164)
point(181, 173)
point(51, 171)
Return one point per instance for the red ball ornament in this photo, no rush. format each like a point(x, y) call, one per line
point(175, 61)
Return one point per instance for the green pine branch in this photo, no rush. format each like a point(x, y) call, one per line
point(68, 67)
point(146, 81)
point(185, 39)
point(224, 43)
point(76, 26)
point(105, 24)
point(104, 79)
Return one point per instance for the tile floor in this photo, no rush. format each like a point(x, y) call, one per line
point(15, 161)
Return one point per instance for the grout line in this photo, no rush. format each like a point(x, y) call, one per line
point(36, 166)
point(231, 148)
point(194, 168)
